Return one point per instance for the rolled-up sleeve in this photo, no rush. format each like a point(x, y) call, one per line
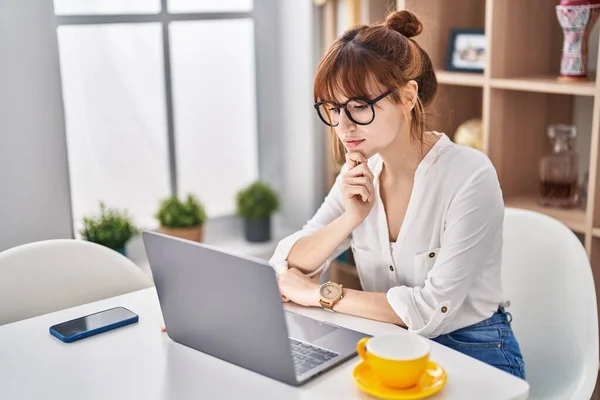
point(472, 235)
point(331, 208)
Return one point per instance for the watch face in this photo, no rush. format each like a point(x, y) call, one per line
point(330, 291)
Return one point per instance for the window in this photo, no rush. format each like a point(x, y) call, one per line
point(91, 7)
point(115, 117)
point(215, 109)
point(184, 6)
point(158, 103)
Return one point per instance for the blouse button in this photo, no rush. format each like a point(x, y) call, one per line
point(431, 255)
point(444, 309)
point(391, 268)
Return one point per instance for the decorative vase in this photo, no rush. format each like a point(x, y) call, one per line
point(194, 233)
point(576, 18)
point(122, 251)
point(257, 230)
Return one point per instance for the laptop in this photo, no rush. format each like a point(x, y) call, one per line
point(228, 306)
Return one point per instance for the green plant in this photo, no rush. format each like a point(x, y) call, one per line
point(173, 213)
point(112, 228)
point(257, 201)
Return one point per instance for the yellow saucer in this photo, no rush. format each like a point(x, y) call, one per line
point(432, 381)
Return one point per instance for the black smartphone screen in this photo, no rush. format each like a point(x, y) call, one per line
point(93, 321)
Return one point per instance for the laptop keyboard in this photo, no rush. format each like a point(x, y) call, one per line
point(307, 357)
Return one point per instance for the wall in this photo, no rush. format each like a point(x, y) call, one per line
point(302, 148)
point(34, 184)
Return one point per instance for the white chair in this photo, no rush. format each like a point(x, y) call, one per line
point(548, 280)
point(42, 277)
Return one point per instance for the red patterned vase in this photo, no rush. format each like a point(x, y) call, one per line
point(576, 18)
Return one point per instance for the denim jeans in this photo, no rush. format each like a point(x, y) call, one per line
point(491, 341)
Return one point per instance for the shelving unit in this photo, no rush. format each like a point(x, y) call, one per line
point(460, 78)
point(517, 96)
point(445, 114)
point(544, 84)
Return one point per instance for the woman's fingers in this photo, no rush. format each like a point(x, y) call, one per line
point(360, 170)
point(358, 181)
point(361, 181)
point(353, 159)
point(361, 191)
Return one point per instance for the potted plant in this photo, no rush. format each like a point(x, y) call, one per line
point(183, 219)
point(112, 228)
point(256, 203)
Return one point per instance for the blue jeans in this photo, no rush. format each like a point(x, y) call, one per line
point(491, 341)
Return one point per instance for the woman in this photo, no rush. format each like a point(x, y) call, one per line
point(422, 215)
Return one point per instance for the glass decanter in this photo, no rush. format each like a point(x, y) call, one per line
point(559, 169)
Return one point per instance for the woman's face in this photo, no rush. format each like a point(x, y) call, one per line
point(390, 121)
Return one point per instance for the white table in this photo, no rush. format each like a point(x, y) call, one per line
point(141, 362)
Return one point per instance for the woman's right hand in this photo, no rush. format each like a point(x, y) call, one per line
point(358, 191)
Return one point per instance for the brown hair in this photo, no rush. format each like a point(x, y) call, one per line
point(382, 54)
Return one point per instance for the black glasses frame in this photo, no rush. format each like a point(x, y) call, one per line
point(344, 106)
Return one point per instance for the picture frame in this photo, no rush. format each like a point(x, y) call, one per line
point(466, 50)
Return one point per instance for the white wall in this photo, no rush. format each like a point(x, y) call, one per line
point(302, 149)
point(34, 185)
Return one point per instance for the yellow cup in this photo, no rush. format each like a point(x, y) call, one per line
point(399, 360)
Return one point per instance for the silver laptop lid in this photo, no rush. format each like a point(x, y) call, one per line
point(220, 304)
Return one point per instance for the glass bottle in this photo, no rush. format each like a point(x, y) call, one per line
point(559, 169)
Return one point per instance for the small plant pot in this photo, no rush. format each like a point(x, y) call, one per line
point(195, 233)
point(257, 230)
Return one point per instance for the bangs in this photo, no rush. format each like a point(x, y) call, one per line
point(349, 71)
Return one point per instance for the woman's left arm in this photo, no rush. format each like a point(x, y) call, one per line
point(367, 305)
point(305, 291)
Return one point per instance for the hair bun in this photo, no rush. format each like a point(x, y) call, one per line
point(404, 22)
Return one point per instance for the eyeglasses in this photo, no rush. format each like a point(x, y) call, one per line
point(360, 110)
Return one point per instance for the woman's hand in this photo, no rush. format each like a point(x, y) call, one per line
point(358, 191)
point(296, 287)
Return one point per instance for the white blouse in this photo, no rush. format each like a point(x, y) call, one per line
point(443, 271)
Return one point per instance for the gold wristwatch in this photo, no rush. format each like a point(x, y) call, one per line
point(330, 293)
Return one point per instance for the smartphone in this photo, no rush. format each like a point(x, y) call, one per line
point(93, 324)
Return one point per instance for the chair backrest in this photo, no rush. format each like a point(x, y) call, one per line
point(42, 277)
point(548, 280)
